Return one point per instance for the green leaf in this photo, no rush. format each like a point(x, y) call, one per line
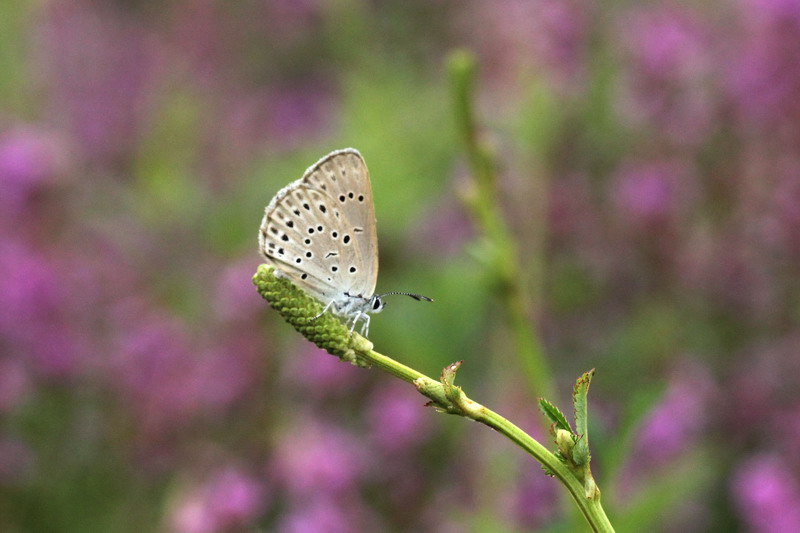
point(580, 453)
point(554, 414)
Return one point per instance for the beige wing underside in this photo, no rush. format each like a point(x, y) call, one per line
point(320, 230)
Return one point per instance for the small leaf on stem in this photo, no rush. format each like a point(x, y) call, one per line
point(554, 414)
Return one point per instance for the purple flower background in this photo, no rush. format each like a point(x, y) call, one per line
point(145, 386)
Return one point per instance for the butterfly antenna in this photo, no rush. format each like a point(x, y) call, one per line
point(418, 297)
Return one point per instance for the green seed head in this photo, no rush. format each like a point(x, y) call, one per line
point(299, 309)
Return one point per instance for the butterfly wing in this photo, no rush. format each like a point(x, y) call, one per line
point(344, 177)
point(311, 235)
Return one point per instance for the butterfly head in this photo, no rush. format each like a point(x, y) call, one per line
point(376, 303)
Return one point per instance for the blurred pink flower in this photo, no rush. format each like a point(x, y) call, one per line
point(30, 158)
point(100, 64)
point(236, 296)
point(229, 500)
point(28, 287)
point(673, 426)
point(34, 311)
point(167, 378)
point(298, 112)
point(645, 193)
point(322, 515)
point(767, 495)
point(667, 41)
point(564, 33)
point(764, 71)
point(153, 366)
point(649, 193)
point(679, 418)
point(316, 458)
point(668, 84)
point(548, 34)
point(322, 375)
point(536, 498)
point(58, 350)
point(398, 419)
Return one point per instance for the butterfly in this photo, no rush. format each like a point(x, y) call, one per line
point(320, 233)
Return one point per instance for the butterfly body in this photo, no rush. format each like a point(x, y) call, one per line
point(320, 233)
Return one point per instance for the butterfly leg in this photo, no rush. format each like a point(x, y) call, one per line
point(365, 327)
point(358, 315)
point(324, 310)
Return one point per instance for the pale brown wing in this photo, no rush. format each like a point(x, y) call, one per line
point(344, 177)
point(319, 234)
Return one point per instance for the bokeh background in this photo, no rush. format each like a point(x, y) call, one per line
point(649, 167)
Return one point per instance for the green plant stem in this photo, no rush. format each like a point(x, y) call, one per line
point(391, 366)
point(485, 211)
point(303, 313)
point(454, 401)
point(591, 509)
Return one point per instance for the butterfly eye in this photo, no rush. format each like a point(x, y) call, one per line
point(377, 304)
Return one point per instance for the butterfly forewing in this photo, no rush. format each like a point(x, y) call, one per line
point(343, 175)
point(320, 229)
